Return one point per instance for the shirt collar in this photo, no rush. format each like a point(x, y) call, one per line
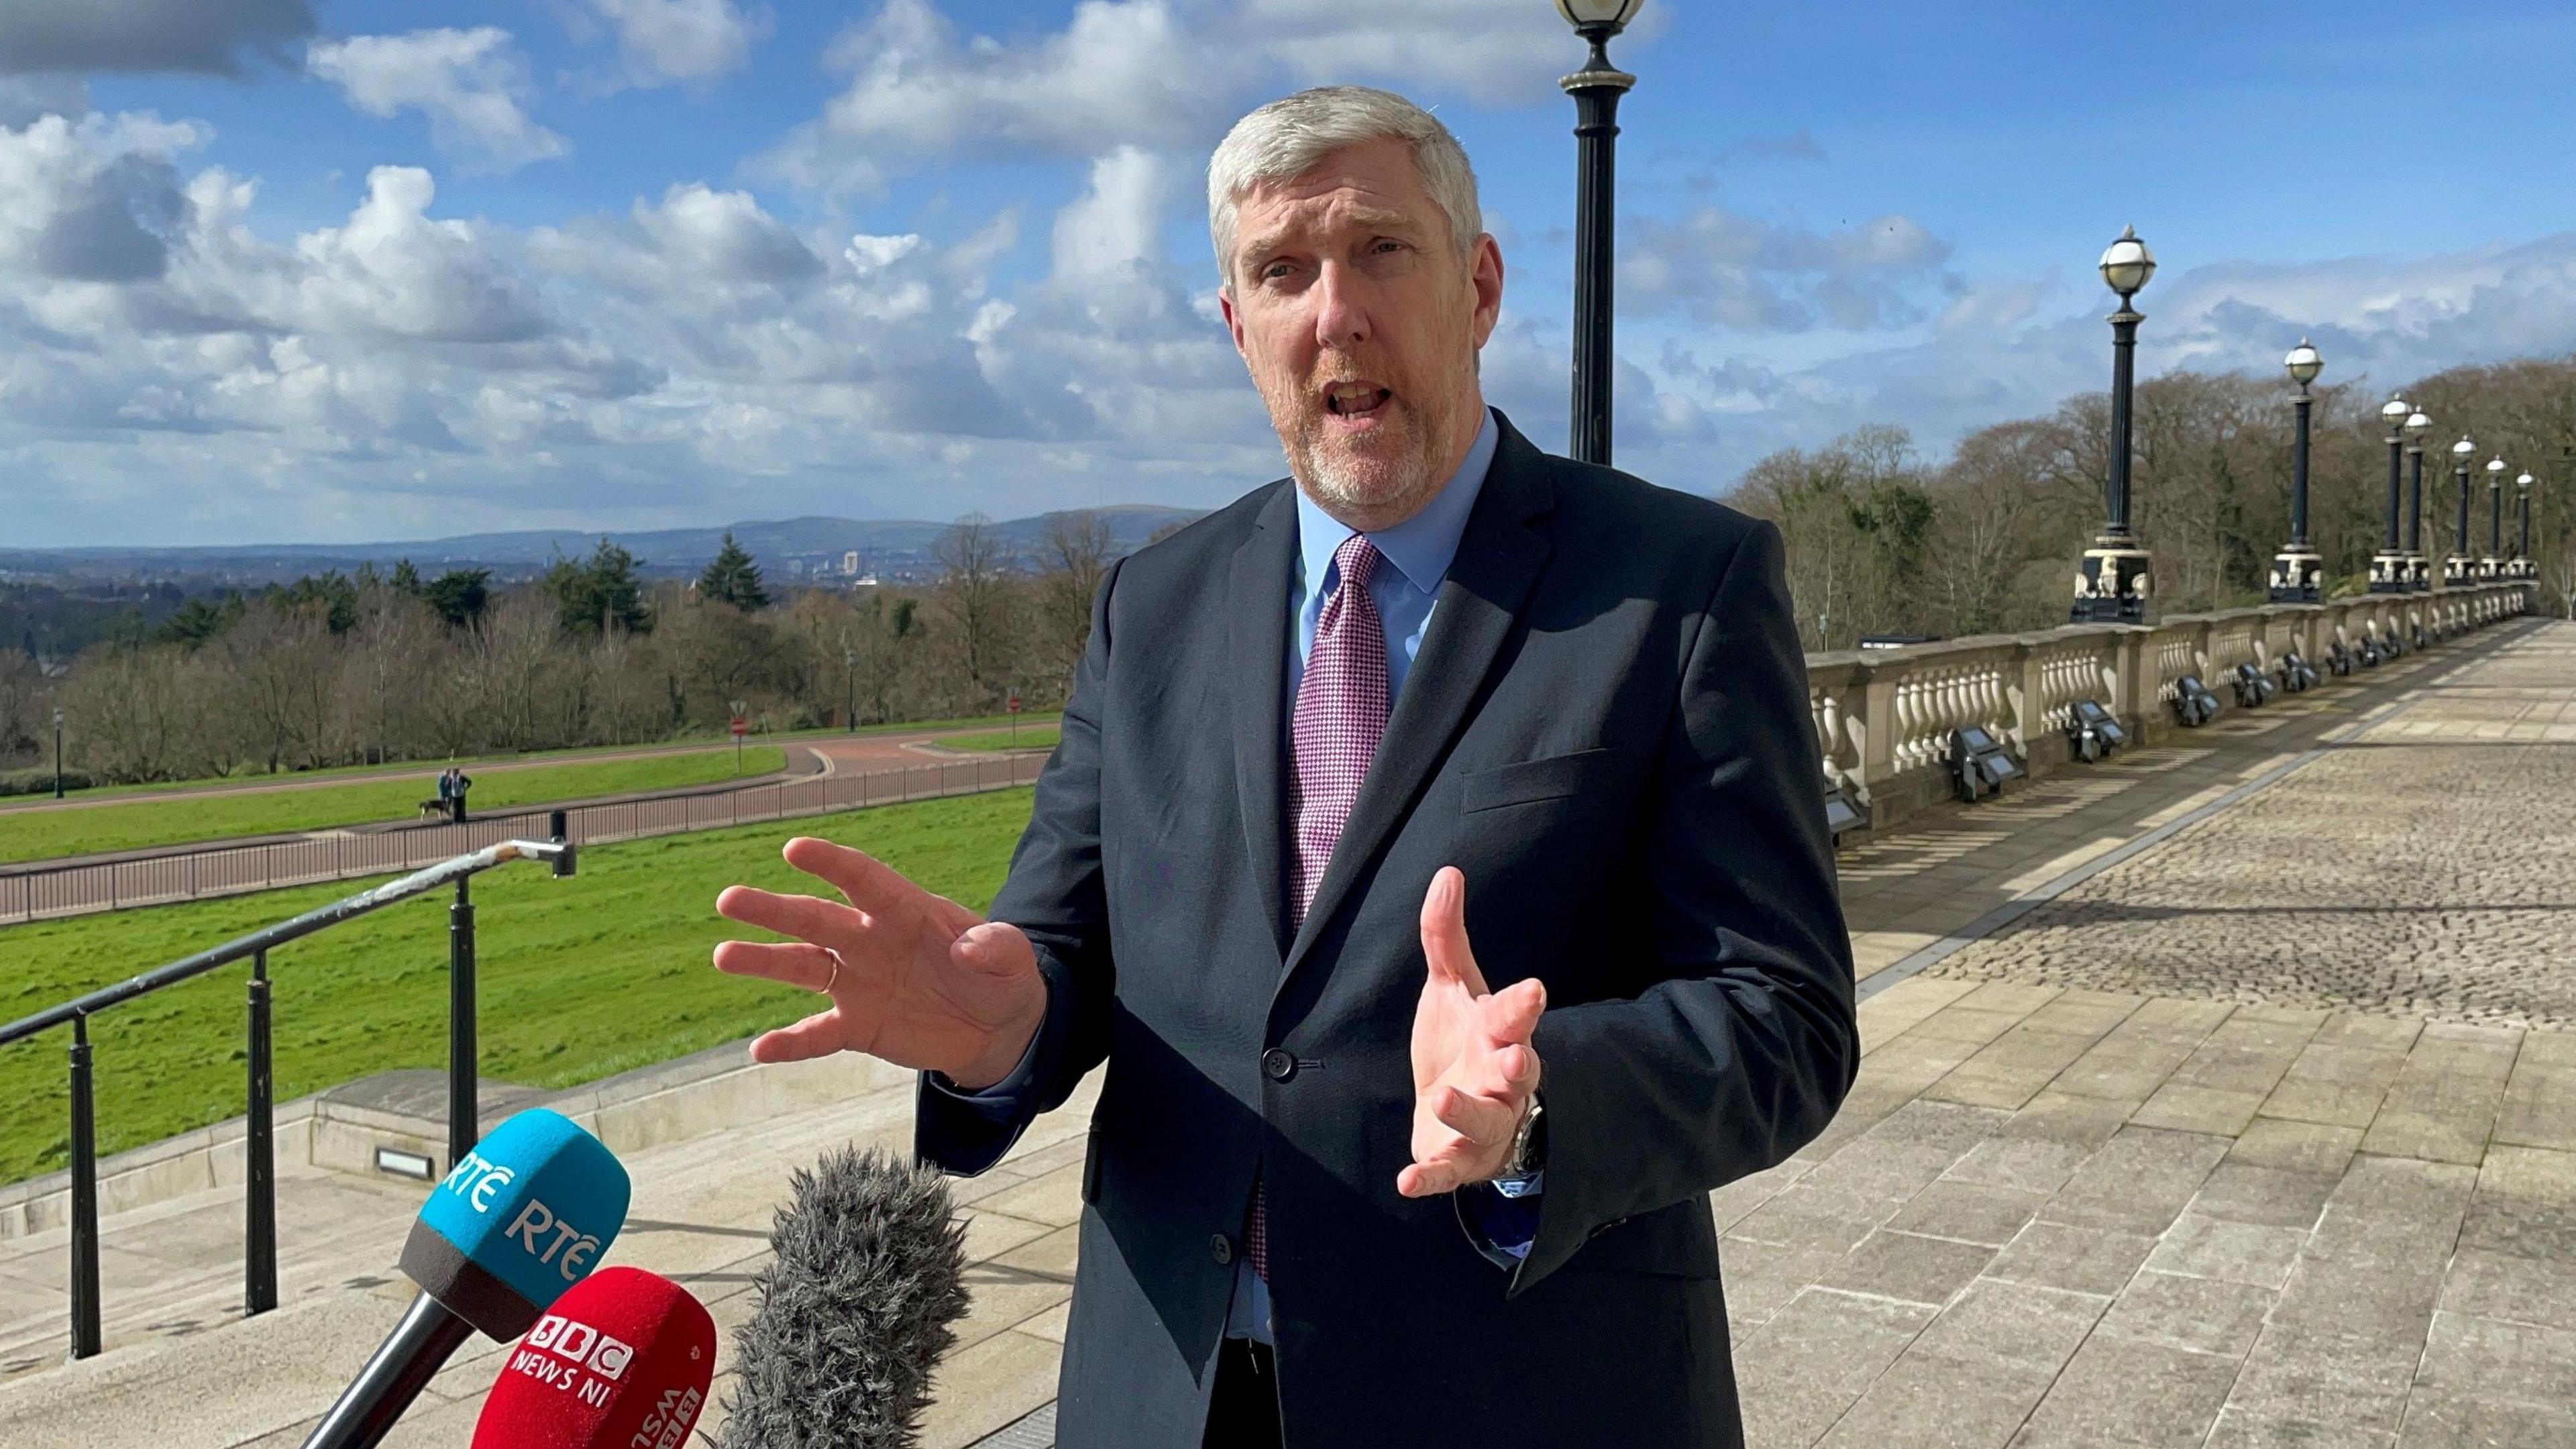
point(1420, 547)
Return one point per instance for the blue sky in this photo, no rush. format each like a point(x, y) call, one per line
point(303, 270)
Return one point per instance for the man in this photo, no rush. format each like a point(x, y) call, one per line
point(1436, 714)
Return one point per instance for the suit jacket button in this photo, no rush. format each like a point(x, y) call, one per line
point(1278, 1065)
point(1221, 1248)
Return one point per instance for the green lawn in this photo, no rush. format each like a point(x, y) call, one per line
point(570, 755)
point(1030, 737)
point(132, 825)
point(579, 979)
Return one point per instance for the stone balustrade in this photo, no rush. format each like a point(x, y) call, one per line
point(1883, 717)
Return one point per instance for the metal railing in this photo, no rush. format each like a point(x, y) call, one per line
point(67, 890)
point(259, 1287)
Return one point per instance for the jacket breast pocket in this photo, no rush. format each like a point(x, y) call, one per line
point(1556, 777)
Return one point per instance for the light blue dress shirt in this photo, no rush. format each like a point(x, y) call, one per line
point(1406, 581)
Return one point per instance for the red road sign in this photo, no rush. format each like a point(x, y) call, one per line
point(1015, 704)
point(741, 726)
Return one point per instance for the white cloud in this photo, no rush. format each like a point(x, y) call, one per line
point(1722, 268)
point(682, 42)
point(1112, 228)
point(1156, 74)
point(1121, 72)
point(395, 271)
point(1476, 48)
point(471, 84)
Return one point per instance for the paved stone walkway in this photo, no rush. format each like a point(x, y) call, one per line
point(2120, 1212)
point(2425, 866)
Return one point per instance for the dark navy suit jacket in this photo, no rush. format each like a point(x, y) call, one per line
point(1607, 730)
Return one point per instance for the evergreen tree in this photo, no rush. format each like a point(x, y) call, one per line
point(332, 590)
point(459, 595)
point(605, 590)
point(733, 578)
point(407, 578)
point(198, 621)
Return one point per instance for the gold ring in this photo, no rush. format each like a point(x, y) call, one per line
point(834, 979)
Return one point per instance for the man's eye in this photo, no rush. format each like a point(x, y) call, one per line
point(1275, 271)
point(1390, 246)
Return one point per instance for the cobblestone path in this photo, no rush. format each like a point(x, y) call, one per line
point(2426, 867)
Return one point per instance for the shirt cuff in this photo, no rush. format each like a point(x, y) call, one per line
point(1502, 1215)
point(997, 1102)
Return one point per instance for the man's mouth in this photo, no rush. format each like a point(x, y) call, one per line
point(1356, 399)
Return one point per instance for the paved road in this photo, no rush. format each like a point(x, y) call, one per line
point(2132, 1211)
point(39, 891)
point(877, 748)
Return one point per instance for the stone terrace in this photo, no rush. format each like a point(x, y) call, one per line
point(2213, 1096)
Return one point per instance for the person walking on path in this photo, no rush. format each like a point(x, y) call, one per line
point(447, 792)
point(462, 783)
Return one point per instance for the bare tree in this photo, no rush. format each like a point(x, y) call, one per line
point(1073, 556)
point(973, 600)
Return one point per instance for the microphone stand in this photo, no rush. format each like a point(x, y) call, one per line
point(409, 1358)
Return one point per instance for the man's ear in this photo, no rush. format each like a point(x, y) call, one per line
point(1485, 274)
point(1233, 318)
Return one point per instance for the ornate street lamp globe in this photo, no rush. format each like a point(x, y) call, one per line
point(2393, 412)
point(2304, 363)
point(2495, 472)
point(2524, 482)
point(2128, 264)
point(1608, 17)
point(2463, 449)
point(2417, 425)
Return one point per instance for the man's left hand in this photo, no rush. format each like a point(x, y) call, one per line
point(1474, 1069)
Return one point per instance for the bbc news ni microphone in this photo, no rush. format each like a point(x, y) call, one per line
point(621, 1361)
point(524, 1216)
point(854, 1309)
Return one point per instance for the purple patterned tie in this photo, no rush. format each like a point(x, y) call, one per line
point(1341, 716)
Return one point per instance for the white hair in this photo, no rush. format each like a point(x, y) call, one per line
point(1289, 136)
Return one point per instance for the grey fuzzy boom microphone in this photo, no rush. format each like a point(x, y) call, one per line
point(854, 1309)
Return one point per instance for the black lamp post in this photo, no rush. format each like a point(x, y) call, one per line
point(1596, 90)
point(58, 752)
point(2523, 567)
point(2388, 567)
point(2457, 569)
point(2295, 568)
point(2461, 566)
point(2111, 582)
point(2418, 575)
point(2492, 565)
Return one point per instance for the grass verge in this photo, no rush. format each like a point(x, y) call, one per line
point(570, 755)
point(134, 825)
point(1030, 737)
point(577, 979)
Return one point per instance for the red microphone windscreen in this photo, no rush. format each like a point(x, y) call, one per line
point(621, 1361)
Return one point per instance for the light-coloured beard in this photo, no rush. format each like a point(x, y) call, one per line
point(1395, 486)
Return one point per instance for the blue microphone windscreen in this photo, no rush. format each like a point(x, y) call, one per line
point(522, 1217)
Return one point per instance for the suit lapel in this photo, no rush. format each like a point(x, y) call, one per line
point(1499, 558)
point(1257, 615)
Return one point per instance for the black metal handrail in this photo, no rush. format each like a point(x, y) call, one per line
point(259, 1289)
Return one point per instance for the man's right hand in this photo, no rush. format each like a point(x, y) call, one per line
point(915, 979)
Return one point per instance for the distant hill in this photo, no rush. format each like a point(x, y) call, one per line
point(787, 549)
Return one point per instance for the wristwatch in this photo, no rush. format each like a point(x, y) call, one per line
point(1529, 1143)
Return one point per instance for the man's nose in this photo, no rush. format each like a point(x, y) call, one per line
point(1341, 314)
